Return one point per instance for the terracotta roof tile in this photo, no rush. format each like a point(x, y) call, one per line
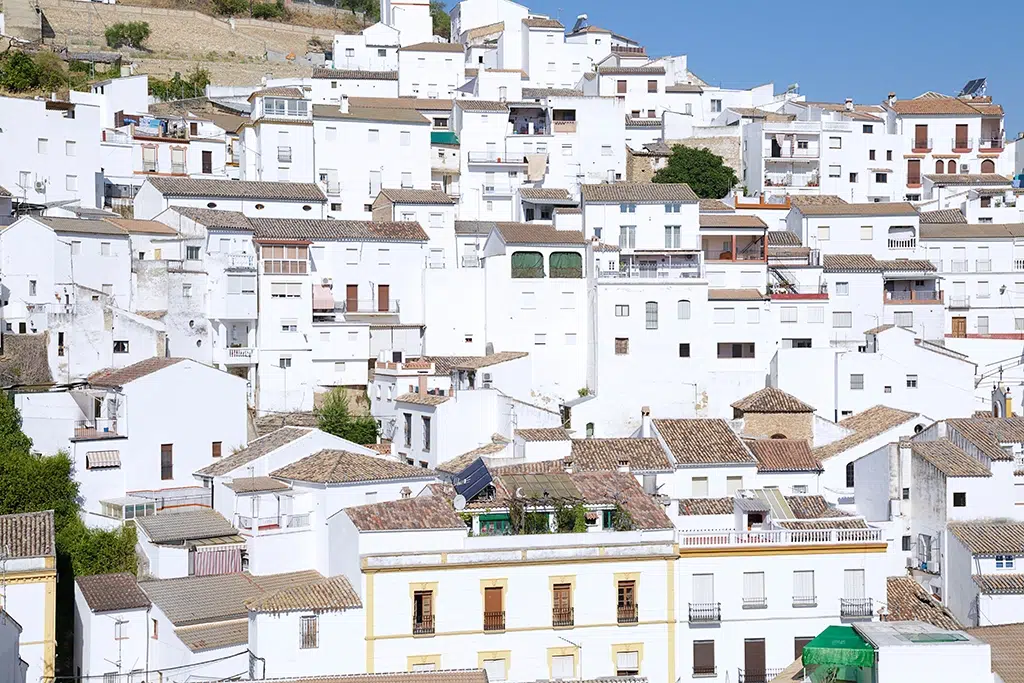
point(813, 507)
point(695, 441)
point(807, 525)
point(684, 88)
point(542, 22)
point(481, 105)
point(816, 200)
point(140, 227)
point(906, 264)
point(783, 238)
point(278, 91)
point(541, 93)
point(256, 449)
point(969, 179)
point(341, 467)
point(479, 362)
point(327, 595)
point(423, 399)
point(850, 263)
point(383, 114)
point(1007, 645)
point(28, 534)
point(256, 484)
point(419, 513)
point(640, 454)
point(935, 106)
point(185, 525)
point(959, 231)
point(861, 209)
point(543, 434)
point(623, 488)
point(461, 462)
point(946, 457)
point(326, 229)
point(416, 196)
point(417, 103)
point(219, 634)
point(631, 70)
point(536, 233)
point(943, 216)
point(112, 592)
point(990, 538)
point(735, 295)
point(120, 376)
point(1006, 584)
point(433, 47)
point(907, 600)
point(214, 218)
point(543, 193)
point(707, 506)
point(499, 466)
point(481, 31)
point(772, 400)
point(711, 205)
point(734, 220)
point(865, 425)
point(354, 74)
point(988, 433)
point(639, 192)
point(783, 455)
point(238, 189)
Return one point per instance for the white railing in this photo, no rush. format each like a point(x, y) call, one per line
point(837, 126)
point(959, 302)
point(179, 169)
point(298, 521)
point(1018, 264)
point(793, 127)
point(728, 537)
point(958, 266)
point(275, 523)
point(984, 266)
point(245, 261)
point(333, 188)
point(906, 243)
point(658, 273)
point(117, 137)
point(240, 352)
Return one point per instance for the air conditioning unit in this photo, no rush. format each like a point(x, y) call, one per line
point(327, 281)
point(911, 562)
point(40, 186)
point(487, 380)
point(964, 168)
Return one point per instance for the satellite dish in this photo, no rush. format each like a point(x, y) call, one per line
point(459, 502)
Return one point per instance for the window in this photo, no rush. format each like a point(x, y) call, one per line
point(308, 632)
point(835, 171)
point(563, 667)
point(903, 318)
point(105, 249)
point(408, 429)
point(186, 290)
point(565, 264)
point(716, 106)
point(842, 319)
point(1004, 561)
point(627, 663)
point(627, 208)
point(888, 155)
point(284, 362)
point(672, 236)
point(627, 236)
point(621, 346)
point(982, 324)
point(842, 289)
point(733, 484)
point(497, 670)
point(71, 183)
point(155, 632)
point(816, 314)
point(405, 138)
point(166, 461)
point(192, 253)
point(42, 144)
point(853, 177)
point(285, 290)
point(31, 287)
point(540, 339)
point(803, 144)
point(290, 325)
point(824, 233)
point(753, 590)
point(882, 178)
point(620, 87)
point(959, 499)
point(215, 448)
point(285, 260)
point(626, 602)
point(871, 155)
point(652, 315)
point(911, 381)
point(857, 382)
point(683, 309)
point(622, 311)
point(606, 150)
point(850, 480)
point(699, 487)
point(426, 434)
point(527, 264)
point(753, 315)
point(724, 316)
point(735, 350)
point(684, 350)
point(561, 605)
point(867, 232)
point(704, 658)
point(373, 136)
point(803, 588)
point(76, 247)
point(835, 143)
point(570, 339)
point(906, 544)
point(120, 346)
point(788, 314)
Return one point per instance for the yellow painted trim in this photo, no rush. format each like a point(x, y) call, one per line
point(561, 652)
point(369, 624)
point(629, 647)
point(412, 660)
point(837, 549)
point(627, 576)
point(569, 579)
point(50, 629)
point(670, 607)
point(506, 565)
point(483, 656)
point(34, 576)
point(519, 629)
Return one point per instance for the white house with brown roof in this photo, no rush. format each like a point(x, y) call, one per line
point(375, 48)
point(276, 143)
point(258, 199)
point(433, 209)
point(111, 626)
point(981, 579)
point(430, 69)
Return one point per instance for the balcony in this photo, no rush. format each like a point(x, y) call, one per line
point(902, 242)
point(792, 180)
point(962, 145)
point(991, 143)
point(805, 601)
point(790, 154)
point(279, 523)
point(470, 262)
point(983, 266)
point(757, 675)
point(855, 607)
point(792, 126)
point(654, 272)
point(783, 292)
point(912, 297)
point(238, 356)
point(95, 429)
point(186, 496)
point(424, 626)
point(705, 671)
point(494, 157)
point(922, 145)
point(149, 166)
point(332, 189)
point(628, 614)
point(755, 603)
point(958, 266)
point(370, 307)
point(959, 302)
point(240, 262)
point(178, 169)
point(563, 126)
point(913, 181)
point(494, 621)
point(728, 537)
point(562, 617)
point(705, 612)
point(498, 190)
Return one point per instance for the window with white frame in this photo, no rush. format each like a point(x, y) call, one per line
point(824, 233)
point(71, 183)
point(842, 289)
point(383, 257)
point(651, 315)
point(724, 316)
point(911, 381)
point(529, 300)
point(716, 106)
point(540, 339)
point(497, 669)
point(373, 136)
point(42, 145)
point(673, 236)
point(835, 142)
point(803, 588)
point(627, 663)
point(285, 290)
point(289, 325)
point(787, 314)
point(753, 590)
point(673, 208)
point(570, 339)
point(622, 310)
point(842, 319)
point(683, 309)
point(816, 314)
point(186, 290)
point(405, 138)
point(867, 232)
point(606, 150)
point(563, 667)
point(627, 236)
point(857, 382)
point(627, 208)
point(753, 315)
point(70, 148)
point(835, 171)
point(903, 318)
point(699, 487)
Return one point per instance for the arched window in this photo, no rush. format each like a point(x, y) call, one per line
point(918, 429)
point(951, 166)
point(651, 319)
point(849, 475)
point(940, 166)
point(779, 436)
point(988, 166)
point(590, 429)
point(527, 264)
point(683, 309)
point(565, 264)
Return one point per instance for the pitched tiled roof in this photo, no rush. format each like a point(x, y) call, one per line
point(326, 229)
point(935, 105)
point(540, 93)
point(732, 220)
point(461, 462)
point(536, 233)
point(384, 114)
point(238, 189)
point(256, 449)
point(354, 74)
point(87, 226)
point(639, 192)
point(417, 103)
point(417, 196)
point(783, 238)
point(807, 525)
point(622, 488)
point(436, 676)
point(695, 441)
point(140, 227)
point(542, 22)
point(112, 592)
point(256, 484)
point(850, 263)
point(813, 507)
point(214, 218)
point(185, 525)
point(631, 70)
point(684, 88)
point(481, 31)
point(474, 227)
point(278, 91)
point(423, 399)
point(481, 105)
point(543, 193)
point(861, 209)
point(735, 295)
point(710, 205)
point(987, 433)
point(27, 534)
point(1006, 584)
point(907, 600)
point(342, 467)
point(641, 455)
point(202, 599)
point(120, 376)
point(543, 434)
point(213, 636)
point(990, 538)
point(326, 595)
point(433, 47)
point(783, 455)
point(1007, 646)
point(946, 457)
point(905, 264)
point(865, 425)
point(707, 506)
point(772, 400)
point(421, 512)
point(943, 216)
point(959, 231)
point(969, 179)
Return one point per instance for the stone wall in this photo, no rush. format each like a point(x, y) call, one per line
point(790, 425)
point(640, 168)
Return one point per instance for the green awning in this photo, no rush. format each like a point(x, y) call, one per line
point(443, 137)
point(839, 646)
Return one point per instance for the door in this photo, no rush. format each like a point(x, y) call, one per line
point(374, 183)
point(494, 614)
point(207, 161)
point(753, 661)
point(351, 298)
point(798, 646)
point(921, 137)
point(383, 298)
point(960, 327)
point(961, 137)
point(913, 171)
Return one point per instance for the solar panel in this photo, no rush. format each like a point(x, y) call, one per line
point(472, 480)
point(974, 87)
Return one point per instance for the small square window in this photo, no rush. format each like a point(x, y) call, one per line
point(622, 311)
point(540, 339)
point(621, 346)
point(857, 382)
point(906, 493)
point(120, 347)
point(911, 381)
point(684, 350)
point(906, 544)
point(959, 499)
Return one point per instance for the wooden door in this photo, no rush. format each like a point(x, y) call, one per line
point(988, 166)
point(921, 136)
point(207, 161)
point(961, 136)
point(383, 298)
point(798, 646)
point(914, 171)
point(959, 327)
point(351, 298)
point(561, 597)
point(753, 660)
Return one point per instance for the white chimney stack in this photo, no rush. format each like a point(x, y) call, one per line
point(645, 422)
point(849, 104)
point(343, 104)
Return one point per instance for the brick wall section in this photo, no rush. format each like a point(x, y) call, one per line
point(791, 425)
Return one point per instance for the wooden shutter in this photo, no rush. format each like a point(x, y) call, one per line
point(215, 449)
point(166, 461)
point(753, 586)
point(988, 166)
point(703, 588)
point(207, 161)
point(627, 593)
point(351, 298)
point(492, 600)
point(753, 659)
point(383, 298)
point(914, 171)
point(424, 606)
point(961, 136)
point(798, 646)
point(562, 597)
point(703, 657)
point(921, 136)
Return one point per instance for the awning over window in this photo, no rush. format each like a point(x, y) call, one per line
point(837, 647)
point(95, 460)
point(323, 298)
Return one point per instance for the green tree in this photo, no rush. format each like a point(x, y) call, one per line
point(439, 16)
point(703, 170)
point(334, 417)
point(177, 88)
point(18, 72)
point(127, 34)
point(268, 10)
point(98, 551)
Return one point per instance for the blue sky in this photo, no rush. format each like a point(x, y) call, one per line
point(833, 50)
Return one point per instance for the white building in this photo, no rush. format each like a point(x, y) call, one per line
point(255, 199)
point(12, 666)
point(111, 625)
point(276, 143)
point(981, 574)
point(30, 592)
point(375, 48)
point(431, 70)
point(329, 85)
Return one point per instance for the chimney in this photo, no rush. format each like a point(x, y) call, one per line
point(892, 98)
point(849, 104)
point(343, 104)
point(645, 422)
point(623, 465)
point(423, 384)
point(567, 465)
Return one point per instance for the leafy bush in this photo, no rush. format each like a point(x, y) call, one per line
point(703, 170)
point(231, 7)
point(335, 418)
point(127, 34)
point(18, 72)
point(268, 10)
point(178, 88)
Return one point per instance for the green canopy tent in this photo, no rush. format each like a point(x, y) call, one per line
point(838, 654)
